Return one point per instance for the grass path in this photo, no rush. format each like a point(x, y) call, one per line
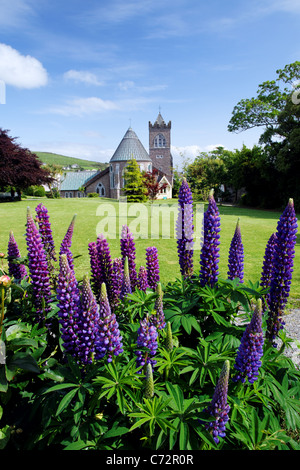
point(256, 226)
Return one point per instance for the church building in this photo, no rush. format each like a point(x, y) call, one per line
point(110, 181)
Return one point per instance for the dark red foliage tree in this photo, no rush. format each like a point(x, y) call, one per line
point(19, 168)
point(153, 186)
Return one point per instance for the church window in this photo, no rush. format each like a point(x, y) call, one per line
point(159, 156)
point(112, 177)
point(159, 141)
point(150, 167)
point(100, 190)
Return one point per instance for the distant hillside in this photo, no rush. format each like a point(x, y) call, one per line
point(48, 157)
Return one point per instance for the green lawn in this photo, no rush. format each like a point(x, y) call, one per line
point(256, 227)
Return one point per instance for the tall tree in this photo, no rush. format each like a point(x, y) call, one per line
point(134, 188)
point(264, 109)
point(19, 168)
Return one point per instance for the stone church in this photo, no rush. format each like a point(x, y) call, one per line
point(110, 181)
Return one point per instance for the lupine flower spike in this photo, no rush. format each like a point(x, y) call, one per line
point(66, 244)
point(209, 258)
point(158, 319)
point(142, 282)
point(236, 256)
point(250, 352)
point(17, 271)
point(185, 229)
point(68, 297)
point(126, 285)
point(147, 338)
point(109, 341)
point(117, 281)
point(219, 407)
point(282, 270)
point(128, 250)
point(88, 323)
point(45, 231)
point(169, 338)
point(149, 387)
point(105, 266)
point(152, 267)
point(38, 269)
point(267, 269)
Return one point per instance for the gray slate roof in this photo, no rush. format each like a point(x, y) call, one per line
point(74, 179)
point(130, 147)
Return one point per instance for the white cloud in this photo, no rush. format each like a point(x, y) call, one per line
point(19, 70)
point(84, 106)
point(83, 76)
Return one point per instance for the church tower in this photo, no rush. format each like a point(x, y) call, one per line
point(160, 147)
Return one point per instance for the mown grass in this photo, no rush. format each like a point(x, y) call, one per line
point(256, 226)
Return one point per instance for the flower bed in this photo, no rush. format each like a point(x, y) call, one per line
point(119, 359)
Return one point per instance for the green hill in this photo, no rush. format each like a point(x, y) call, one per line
point(48, 158)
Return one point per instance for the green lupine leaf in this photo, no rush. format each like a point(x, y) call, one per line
point(66, 400)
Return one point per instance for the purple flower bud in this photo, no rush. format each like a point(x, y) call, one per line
point(219, 408)
point(282, 269)
point(109, 339)
point(209, 258)
point(185, 230)
point(142, 282)
point(67, 243)
point(250, 352)
point(18, 271)
point(128, 250)
point(152, 267)
point(236, 255)
point(147, 338)
point(38, 269)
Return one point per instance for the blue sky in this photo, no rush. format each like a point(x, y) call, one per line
point(77, 74)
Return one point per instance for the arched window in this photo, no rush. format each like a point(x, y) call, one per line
point(100, 190)
point(159, 141)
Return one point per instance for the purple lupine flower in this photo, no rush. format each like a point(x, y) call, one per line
point(117, 281)
point(126, 285)
point(218, 407)
point(66, 244)
point(152, 265)
point(236, 255)
point(38, 269)
point(105, 265)
point(158, 318)
point(88, 323)
point(96, 279)
point(109, 339)
point(184, 230)
point(250, 351)
point(282, 269)
point(142, 282)
point(267, 268)
point(68, 297)
point(45, 231)
point(128, 250)
point(18, 271)
point(147, 338)
point(209, 258)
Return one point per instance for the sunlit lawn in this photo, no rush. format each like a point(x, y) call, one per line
point(256, 226)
